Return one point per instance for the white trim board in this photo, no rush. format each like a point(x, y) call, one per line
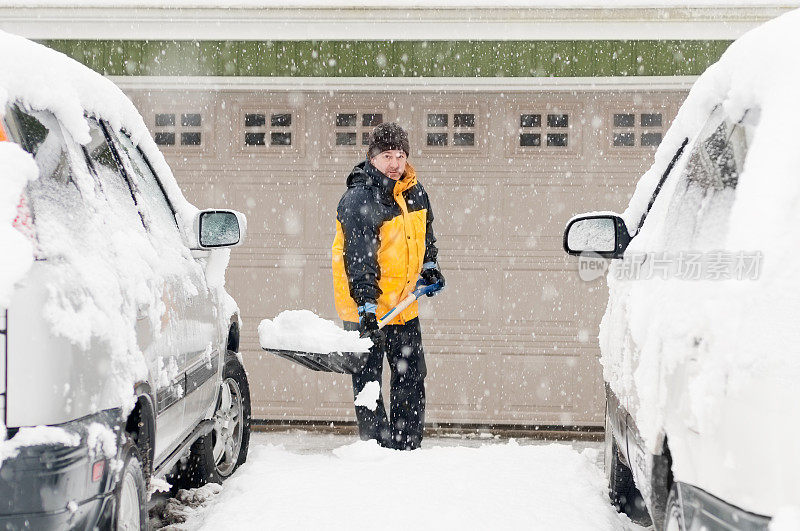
point(380, 4)
point(387, 23)
point(406, 84)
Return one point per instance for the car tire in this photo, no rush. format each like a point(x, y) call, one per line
point(198, 467)
point(673, 516)
point(130, 494)
point(622, 490)
point(216, 455)
point(231, 433)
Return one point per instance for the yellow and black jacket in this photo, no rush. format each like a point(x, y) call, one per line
point(383, 237)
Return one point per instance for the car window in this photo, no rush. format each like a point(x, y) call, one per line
point(675, 158)
point(45, 143)
point(158, 217)
point(56, 201)
point(116, 189)
point(699, 209)
point(155, 205)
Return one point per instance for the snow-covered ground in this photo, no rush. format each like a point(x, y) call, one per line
point(304, 480)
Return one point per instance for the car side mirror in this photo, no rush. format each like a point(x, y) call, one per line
point(605, 235)
point(215, 228)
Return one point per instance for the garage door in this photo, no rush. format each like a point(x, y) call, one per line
point(512, 340)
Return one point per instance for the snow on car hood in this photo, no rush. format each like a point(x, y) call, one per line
point(715, 364)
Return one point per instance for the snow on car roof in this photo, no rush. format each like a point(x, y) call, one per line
point(45, 79)
point(760, 71)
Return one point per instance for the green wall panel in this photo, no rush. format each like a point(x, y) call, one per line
point(393, 59)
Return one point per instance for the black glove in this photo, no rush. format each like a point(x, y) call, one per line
point(432, 275)
point(368, 327)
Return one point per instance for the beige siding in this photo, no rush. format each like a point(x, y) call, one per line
point(512, 340)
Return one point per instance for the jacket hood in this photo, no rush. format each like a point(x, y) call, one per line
point(365, 174)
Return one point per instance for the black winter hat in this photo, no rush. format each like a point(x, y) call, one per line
point(387, 136)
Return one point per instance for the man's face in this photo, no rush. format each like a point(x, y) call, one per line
point(391, 163)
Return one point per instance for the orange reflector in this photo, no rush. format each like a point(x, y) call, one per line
point(97, 470)
point(3, 136)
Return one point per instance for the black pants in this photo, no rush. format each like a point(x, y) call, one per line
point(406, 358)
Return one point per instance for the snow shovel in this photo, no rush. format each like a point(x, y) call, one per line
point(350, 362)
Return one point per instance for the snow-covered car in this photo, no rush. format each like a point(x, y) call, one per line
point(700, 345)
point(119, 362)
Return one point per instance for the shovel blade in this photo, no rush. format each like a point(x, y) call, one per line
point(341, 362)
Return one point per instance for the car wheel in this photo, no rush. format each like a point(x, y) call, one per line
point(231, 433)
point(130, 494)
point(215, 456)
point(621, 487)
point(673, 517)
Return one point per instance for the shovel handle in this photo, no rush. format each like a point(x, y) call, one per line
point(405, 303)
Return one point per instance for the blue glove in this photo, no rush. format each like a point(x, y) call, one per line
point(368, 325)
point(431, 275)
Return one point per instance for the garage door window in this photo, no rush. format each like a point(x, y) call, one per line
point(184, 129)
point(630, 130)
point(450, 130)
point(352, 128)
point(548, 130)
point(268, 129)
point(530, 130)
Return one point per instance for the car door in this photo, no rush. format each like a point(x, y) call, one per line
point(189, 325)
point(165, 363)
point(691, 228)
point(52, 377)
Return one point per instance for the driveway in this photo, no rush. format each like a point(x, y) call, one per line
point(306, 480)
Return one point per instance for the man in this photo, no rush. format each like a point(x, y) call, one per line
point(384, 243)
